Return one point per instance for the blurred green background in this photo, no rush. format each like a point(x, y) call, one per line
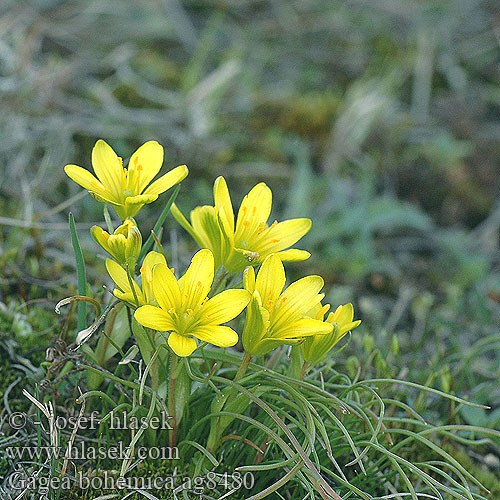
point(380, 120)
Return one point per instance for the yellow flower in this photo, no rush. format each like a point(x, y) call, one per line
point(315, 348)
point(124, 244)
point(125, 188)
point(276, 317)
point(185, 311)
point(144, 294)
point(250, 240)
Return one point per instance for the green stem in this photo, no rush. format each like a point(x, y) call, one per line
point(247, 358)
point(305, 368)
point(171, 398)
point(215, 431)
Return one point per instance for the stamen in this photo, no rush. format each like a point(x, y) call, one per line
point(246, 223)
point(189, 311)
point(254, 209)
point(283, 299)
point(275, 241)
point(245, 209)
point(171, 310)
point(198, 284)
point(269, 303)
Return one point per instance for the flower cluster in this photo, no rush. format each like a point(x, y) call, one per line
point(196, 307)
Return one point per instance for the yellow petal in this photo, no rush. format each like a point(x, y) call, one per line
point(117, 244)
point(144, 164)
point(198, 278)
point(154, 317)
point(181, 345)
point(254, 212)
point(179, 217)
point(249, 279)
point(168, 180)
point(108, 168)
point(221, 336)
point(293, 255)
point(134, 203)
point(297, 299)
point(165, 287)
point(206, 226)
point(256, 325)
point(282, 235)
point(302, 327)
point(86, 180)
point(120, 277)
point(348, 327)
point(315, 348)
point(225, 306)
point(100, 236)
point(223, 203)
point(151, 259)
point(346, 314)
point(270, 280)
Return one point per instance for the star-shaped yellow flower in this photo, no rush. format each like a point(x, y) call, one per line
point(276, 316)
point(316, 348)
point(126, 188)
point(250, 239)
point(185, 311)
point(144, 294)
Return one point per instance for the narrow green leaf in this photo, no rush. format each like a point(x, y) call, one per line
point(159, 224)
point(80, 273)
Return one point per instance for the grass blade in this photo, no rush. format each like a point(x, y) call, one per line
point(80, 273)
point(159, 224)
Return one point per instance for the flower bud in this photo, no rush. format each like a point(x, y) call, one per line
point(317, 347)
point(124, 245)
